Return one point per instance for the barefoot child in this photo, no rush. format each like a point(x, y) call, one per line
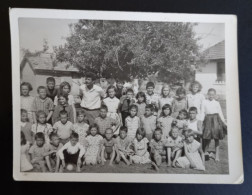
point(141, 103)
point(24, 162)
point(81, 127)
point(26, 100)
point(132, 122)
point(26, 126)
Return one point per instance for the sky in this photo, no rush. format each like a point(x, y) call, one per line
point(33, 31)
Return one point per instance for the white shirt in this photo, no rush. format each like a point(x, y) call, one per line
point(196, 100)
point(212, 107)
point(152, 98)
point(71, 149)
point(91, 97)
point(112, 104)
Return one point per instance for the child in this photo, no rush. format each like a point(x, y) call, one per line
point(113, 104)
point(148, 122)
point(51, 91)
point(214, 125)
point(151, 97)
point(63, 105)
point(42, 126)
point(165, 97)
point(125, 103)
point(165, 120)
point(123, 144)
point(195, 98)
point(81, 127)
point(93, 146)
point(194, 157)
point(141, 103)
point(174, 146)
point(158, 149)
point(104, 121)
point(180, 102)
point(63, 127)
point(140, 142)
point(109, 148)
point(182, 121)
point(25, 163)
point(71, 153)
point(53, 148)
point(132, 122)
point(37, 152)
point(41, 102)
point(120, 90)
point(26, 100)
point(26, 126)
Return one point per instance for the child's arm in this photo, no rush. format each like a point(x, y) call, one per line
point(71, 114)
point(221, 113)
point(202, 155)
point(34, 117)
point(51, 108)
point(49, 115)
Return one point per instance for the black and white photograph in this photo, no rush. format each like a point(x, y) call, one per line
point(125, 96)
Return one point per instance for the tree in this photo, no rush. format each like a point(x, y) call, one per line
point(120, 49)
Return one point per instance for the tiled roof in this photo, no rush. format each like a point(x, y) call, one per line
point(215, 52)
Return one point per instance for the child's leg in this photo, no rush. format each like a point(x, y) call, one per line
point(103, 155)
point(124, 158)
point(157, 158)
point(57, 163)
point(48, 163)
point(112, 157)
point(177, 155)
point(169, 157)
point(42, 165)
point(206, 143)
point(217, 149)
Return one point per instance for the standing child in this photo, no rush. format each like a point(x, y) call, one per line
point(182, 121)
point(26, 126)
point(51, 90)
point(195, 98)
point(37, 152)
point(24, 162)
point(42, 126)
point(81, 127)
point(41, 102)
point(71, 153)
point(93, 146)
point(26, 100)
point(165, 97)
point(63, 127)
point(140, 142)
point(132, 122)
point(180, 102)
point(214, 125)
point(120, 90)
point(141, 103)
point(165, 120)
point(194, 156)
point(148, 122)
point(151, 97)
point(63, 105)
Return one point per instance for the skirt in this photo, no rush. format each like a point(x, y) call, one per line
point(214, 127)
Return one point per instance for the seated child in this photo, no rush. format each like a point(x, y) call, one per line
point(71, 153)
point(26, 126)
point(63, 127)
point(194, 157)
point(81, 127)
point(108, 147)
point(37, 152)
point(53, 148)
point(93, 146)
point(25, 164)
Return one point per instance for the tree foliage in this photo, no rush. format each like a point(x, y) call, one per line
point(120, 49)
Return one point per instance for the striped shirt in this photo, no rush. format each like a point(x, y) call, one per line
point(45, 105)
point(132, 124)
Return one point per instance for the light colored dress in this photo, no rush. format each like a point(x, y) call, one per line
point(132, 124)
point(196, 100)
point(26, 103)
point(193, 152)
point(81, 129)
point(141, 147)
point(165, 125)
point(25, 164)
point(92, 144)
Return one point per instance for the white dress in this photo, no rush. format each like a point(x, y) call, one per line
point(141, 147)
point(25, 164)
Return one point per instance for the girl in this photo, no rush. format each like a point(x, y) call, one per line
point(42, 126)
point(25, 145)
point(182, 121)
point(93, 146)
point(165, 97)
point(113, 104)
point(26, 100)
point(26, 126)
point(164, 122)
point(81, 127)
point(141, 103)
point(195, 98)
point(140, 142)
point(180, 102)
point(132, 122)
point(214, 125)
point(194, 157)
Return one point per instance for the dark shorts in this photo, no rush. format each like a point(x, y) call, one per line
point(71, 158)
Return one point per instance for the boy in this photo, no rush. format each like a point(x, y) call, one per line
point(148, 121)
point(151, 97)
point(51, 91)
point(104, 121)
point(119, 89)
point(63, 127)
point(41, 102)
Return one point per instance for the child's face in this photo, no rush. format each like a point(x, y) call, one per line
point(129, 95)
point(123, 134)
point(148, 111)
point(211, 95)
point(133, 112)
point(42, 93)
point(195, 88)
point(139, 136)
point(55, 140)
point(150, 90)
point(63, 118)
point(171, 93)
point(192, 114)
point(166, 111)
point(190, 138)
point(174, 133)
point(119, 85)
point(109, 134)
point(140, 99)
point(40, 142)
point(157, 135)
point(111, 93)
point(42, 119)
point(25, 90)
point(80, 118)
point(62, 100)
point(103, 113)
point(93, 131)
point(24, 116)
point(74, 141)
point(66, 89)
point(181, 95)
point(50, 85)
point(181, 116)
point(166, 91)
point(89, 81)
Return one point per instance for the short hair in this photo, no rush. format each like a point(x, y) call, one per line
point(74, 135)
point(123, 128)
point(184, 112)
point(63, 95)
point(40, 112)
point(41, 87)
point(149, 106)
point(175, 127)
point(119, 81)
point(160, 130)
point(193, 109)
point(141, 132)
point(26, 84)
point(141, 94)
point(189, 133)
point(195, 83)
point(39, 135)
point(81, 112)
point(167, 106)
point(104, 107)
point(133, 106)
point(211, 89)
point(150, 84)
point(91, 75)
point(93, 126)
point(50, 79)
point(129, 90)
point(174, 123)
point(53, 135)
point(63, 112)
point(62, 85)
point(181, 90)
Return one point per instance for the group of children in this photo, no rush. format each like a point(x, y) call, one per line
point(174, 127)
